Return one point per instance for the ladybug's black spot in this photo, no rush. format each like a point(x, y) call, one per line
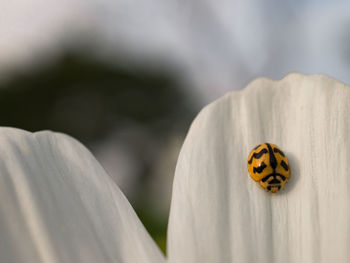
point(257, 155)
point(284, 165)
point(259, 169)
point(276, 150)
point(283, 178)
point(257, 147)
point(274, 181)
point(266, 178)
point(273, 161)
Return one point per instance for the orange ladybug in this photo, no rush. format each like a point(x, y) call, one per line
point(268, 166)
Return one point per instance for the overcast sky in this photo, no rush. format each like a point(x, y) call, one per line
point(215, 46)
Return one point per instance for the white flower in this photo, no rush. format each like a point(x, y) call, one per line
point(58, 205)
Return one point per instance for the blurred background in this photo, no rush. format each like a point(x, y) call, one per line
point(127, 77)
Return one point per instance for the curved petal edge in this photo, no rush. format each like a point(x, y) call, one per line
point(57, 204)
point(219, 214)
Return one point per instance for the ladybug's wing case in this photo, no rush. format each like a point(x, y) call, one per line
point(282, 162)
point(257, 158)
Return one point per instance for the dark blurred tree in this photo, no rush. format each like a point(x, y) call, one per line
point(86, 97)
point(89, 99)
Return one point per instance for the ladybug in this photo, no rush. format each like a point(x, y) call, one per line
point(268, 166)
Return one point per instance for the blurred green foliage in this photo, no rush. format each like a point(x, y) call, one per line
point(156, 224)
point(86, 97)
point(90, 99)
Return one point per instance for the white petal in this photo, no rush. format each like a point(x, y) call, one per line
point(57, 205)
point(219, 214)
